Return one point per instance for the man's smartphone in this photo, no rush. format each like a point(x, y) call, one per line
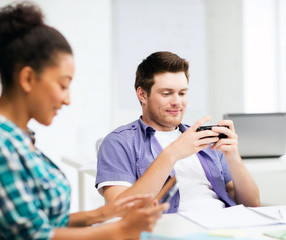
point(202, 128)
point(167, 191)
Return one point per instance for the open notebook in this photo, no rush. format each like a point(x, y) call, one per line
point(260, 135)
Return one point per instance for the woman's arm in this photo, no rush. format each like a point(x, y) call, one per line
point(112, 209)
point(129, 227)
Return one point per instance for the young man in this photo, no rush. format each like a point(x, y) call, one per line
point(140, 157)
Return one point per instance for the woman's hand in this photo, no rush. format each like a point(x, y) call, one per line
point(118, 208)
point(115, 208)
point(138, 215)
point(141, 218)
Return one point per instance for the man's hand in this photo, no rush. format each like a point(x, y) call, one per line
point(191, 141)
point(228, 146)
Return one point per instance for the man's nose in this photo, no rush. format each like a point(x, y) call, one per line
point(176, 99)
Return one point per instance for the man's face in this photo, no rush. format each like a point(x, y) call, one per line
point(164, 108)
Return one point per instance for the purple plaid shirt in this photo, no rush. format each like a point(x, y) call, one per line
point(127, 152)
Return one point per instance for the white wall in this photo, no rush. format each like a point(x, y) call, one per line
point(281, 49)
point(225, 57)
point(246, 56)
point(88, 29)
point(87, 26)
point(143, 27)
point(74, 132)
point(111, 37)
point(260, 51)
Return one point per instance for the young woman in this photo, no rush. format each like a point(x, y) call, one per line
point(36, 69)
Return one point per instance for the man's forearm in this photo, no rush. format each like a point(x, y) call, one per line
point(154, 178)
point(245, 189)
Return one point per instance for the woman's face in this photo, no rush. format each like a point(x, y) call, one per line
point(51, 90)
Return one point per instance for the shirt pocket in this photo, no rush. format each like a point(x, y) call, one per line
point(143, 164)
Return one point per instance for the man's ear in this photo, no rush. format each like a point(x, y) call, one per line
point(26, 78)
point(141, 94)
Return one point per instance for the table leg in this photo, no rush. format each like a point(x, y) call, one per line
point(80, 191)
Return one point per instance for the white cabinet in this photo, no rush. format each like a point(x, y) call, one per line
point(270, 176)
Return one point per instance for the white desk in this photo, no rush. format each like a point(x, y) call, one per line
point(270, 176)
point(174, 225)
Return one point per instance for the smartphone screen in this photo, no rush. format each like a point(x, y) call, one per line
point(202, 128)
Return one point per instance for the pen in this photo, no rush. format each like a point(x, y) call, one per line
point(280, 214)
point(264, 215)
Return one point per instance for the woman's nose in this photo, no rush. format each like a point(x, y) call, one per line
point(66, 99)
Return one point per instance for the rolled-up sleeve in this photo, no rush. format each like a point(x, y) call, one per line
point(116, 159)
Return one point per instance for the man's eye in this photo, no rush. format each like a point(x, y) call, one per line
point(182, 94)
point(165, 93)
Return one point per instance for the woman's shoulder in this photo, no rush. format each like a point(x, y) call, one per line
point(11, 136)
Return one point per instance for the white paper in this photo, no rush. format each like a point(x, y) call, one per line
point(277, 212)
point(234, 217)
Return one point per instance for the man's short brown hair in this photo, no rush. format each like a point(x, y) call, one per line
point(156, 63)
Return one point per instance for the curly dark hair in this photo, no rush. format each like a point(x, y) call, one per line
point(25, 40)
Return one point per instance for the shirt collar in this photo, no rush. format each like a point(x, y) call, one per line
point(26, 137)
point(147, 130)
